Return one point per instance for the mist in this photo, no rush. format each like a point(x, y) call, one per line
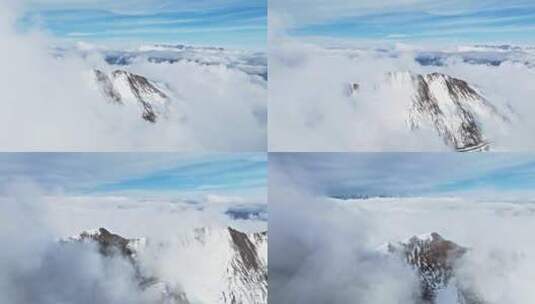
point(41, 266)
point(322, 253)
point(37, 269)
point(319, 104)
point(52, 104)
point(498, 234)
point(327, 250)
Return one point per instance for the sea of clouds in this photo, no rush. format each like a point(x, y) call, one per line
point(51, 104)
point(38, 268)
point(326, 250)
point(318, 104)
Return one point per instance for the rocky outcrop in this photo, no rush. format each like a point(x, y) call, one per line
point(435, 260)
point(123, 87)
point(451, 106)
point(240, 266)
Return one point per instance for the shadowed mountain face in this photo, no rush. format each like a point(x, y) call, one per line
point(451, 106)
point(435, 260)
point(113, 245)
point(109, 244)
point(123, 87)
point(240, 266)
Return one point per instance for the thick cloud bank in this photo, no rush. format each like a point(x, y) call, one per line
point(501, 262)
point(309, 95)
point(39, 268)
point(325, 250)
point(51, 103)
point(321, 253)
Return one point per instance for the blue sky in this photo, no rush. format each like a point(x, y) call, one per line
point(409, 174)
point(149, 174)
point(238, 23)
point(485, 21)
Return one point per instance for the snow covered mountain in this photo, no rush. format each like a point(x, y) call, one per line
point(435, 260)
point(490, 55)
point(233, 268)
point(251, 62)
point(487, 55)
point(123, 87)
point(452, 107)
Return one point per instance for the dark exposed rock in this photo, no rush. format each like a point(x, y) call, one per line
point(466, 102)
point(141, 87)
point(143, 90)
point(352, 88)
point(113, 245)
point(452, 106)
point(138, 83)
point(108, 243)
point(435, 259)
point(469, 133)
point(246, 248)
point(246, 271)
point(107, 86)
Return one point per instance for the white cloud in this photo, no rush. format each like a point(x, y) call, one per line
point(320, 253)
point(51, 105)
point(38, 269)
point(308, 95)
point(501, 258)
point(138, 6)
point(317, 104)
point(322, 249)
point(299, 13)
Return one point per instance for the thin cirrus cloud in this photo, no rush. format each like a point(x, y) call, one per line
point(127, 6)
point(229, 174)
point(411, 20)
point(408, 174)
point(222, 23)
point(147, 174)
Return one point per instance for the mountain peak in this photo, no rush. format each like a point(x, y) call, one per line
point(451, 106)
point(124, 87)
point(435, 260)
point(108, 243)
point(239, 262)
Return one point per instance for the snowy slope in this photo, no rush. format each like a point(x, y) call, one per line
point(435, 260)
point(127, 88)
point(452, 107)
point(214, 265)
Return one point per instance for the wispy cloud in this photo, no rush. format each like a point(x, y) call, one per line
point(140, 6)
point(408, 174)
point(223, 23)
point(204, 175)
point(405, 20)
point(148, 174)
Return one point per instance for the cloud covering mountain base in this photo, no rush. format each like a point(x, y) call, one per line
point(322, 106)
point(51, 103)
point(329, 250)
point(40, 267)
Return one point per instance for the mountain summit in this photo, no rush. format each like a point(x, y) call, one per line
point(123, 87)
point(235, 261)
point(454, 108)
point(435, 261)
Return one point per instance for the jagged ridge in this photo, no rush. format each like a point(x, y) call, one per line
point(244, 274)
point(452, 106)
point(435, 260)
point(124, 87)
